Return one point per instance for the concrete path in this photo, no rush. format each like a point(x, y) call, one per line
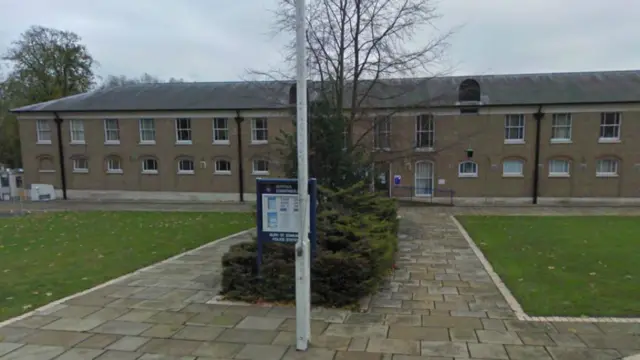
point(439, 304)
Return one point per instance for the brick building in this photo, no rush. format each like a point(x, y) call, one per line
point(209, 141)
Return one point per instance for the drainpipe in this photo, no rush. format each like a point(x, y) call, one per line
point(239, 121)
point(536, 170)
point(63, 175)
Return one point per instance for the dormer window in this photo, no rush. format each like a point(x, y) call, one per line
point(469, 96)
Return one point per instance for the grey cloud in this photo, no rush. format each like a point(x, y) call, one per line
point(221, 39)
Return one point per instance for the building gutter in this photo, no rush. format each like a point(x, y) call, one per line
point(239, 119)
point(63, 176)
point(539, 115)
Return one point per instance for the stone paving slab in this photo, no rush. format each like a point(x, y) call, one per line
point(440, 303)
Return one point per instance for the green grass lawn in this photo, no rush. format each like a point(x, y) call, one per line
point(564, 265)
point(47, 256)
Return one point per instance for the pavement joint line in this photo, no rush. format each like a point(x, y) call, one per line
point(121, 278)
point(514, 304)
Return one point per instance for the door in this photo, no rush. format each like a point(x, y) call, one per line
point(382, 178)
point(424, 178)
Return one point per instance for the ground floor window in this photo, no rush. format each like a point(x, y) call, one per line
point(424, 178)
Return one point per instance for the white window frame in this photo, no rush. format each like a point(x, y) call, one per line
point(112, 169)
point(216, 168)
point(617, 126)
point(428, 192)
point(555, 173)
point(508, 126)
point(79, 169)
point(429, 132)
point(108, 130)
point(43, 128)
point(556, 126)
point(76, 127)
point(188, 140)
point(151, 130)
point(473, 174)
point(382, 130)
point(615, 165)
point(255, 171)
point(255, 131)
point(149, 171)
point(513, 174)
point(185, 171)
point(224, 130)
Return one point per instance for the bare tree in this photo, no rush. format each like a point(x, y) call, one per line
point(146, 78)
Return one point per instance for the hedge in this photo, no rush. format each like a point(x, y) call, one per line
point(356, 246)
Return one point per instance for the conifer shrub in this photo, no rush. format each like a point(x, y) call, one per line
point(356, 246)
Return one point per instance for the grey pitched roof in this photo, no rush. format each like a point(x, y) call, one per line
point(497, 90)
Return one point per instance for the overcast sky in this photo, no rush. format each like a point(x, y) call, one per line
point(216, 40)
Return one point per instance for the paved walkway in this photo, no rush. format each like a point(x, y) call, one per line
point(439, 304)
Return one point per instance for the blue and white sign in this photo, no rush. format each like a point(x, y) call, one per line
point(397, 179)
point(278, 212)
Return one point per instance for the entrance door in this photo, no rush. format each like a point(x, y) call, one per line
point(382, 177)
point(424, 178)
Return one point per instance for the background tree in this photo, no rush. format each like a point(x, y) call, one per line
point(353, 46)
point(114, 81)
point(44, 64)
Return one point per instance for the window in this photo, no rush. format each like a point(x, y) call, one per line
point(111, 131)
point(80, 165)
point(43, 131)
point(345, 138)
point(220, 131)
point(45, 164)
point(514, 129)
point(424, 178)
point(149, 166)
point(76, 128)
point(561, 128)
point(559, 168)
point(183, 131)
point(222, 167)
point(425, 132)
point(513, 168)
point(607, 168)
point(259, 133)
point(147, 131)
point(610, 126)
point(260, 167)
point(114, 165)
point(186, 166)
point(468, 169)
point(382, 132)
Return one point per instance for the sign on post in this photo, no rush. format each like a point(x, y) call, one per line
point(278, 213)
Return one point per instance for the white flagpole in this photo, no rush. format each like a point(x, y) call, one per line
point(303, 264)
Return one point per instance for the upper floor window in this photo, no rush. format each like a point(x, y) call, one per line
point(513, 168)
point(76, 128)
point(559, 167)
point(147, 131)
point(149, 166)
point(43, 131)
point(111, 131)
point(514, 129)
point(80, 165)
point(468, 169)
point(260, 167)
point(183, 131)
point(382, 132)
point(220, 131)
point(186, 166)
point(222, 167)
point(425, 132)
point(561, 128)
point(607, 167)
point(610, 126)
point(259, 132)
